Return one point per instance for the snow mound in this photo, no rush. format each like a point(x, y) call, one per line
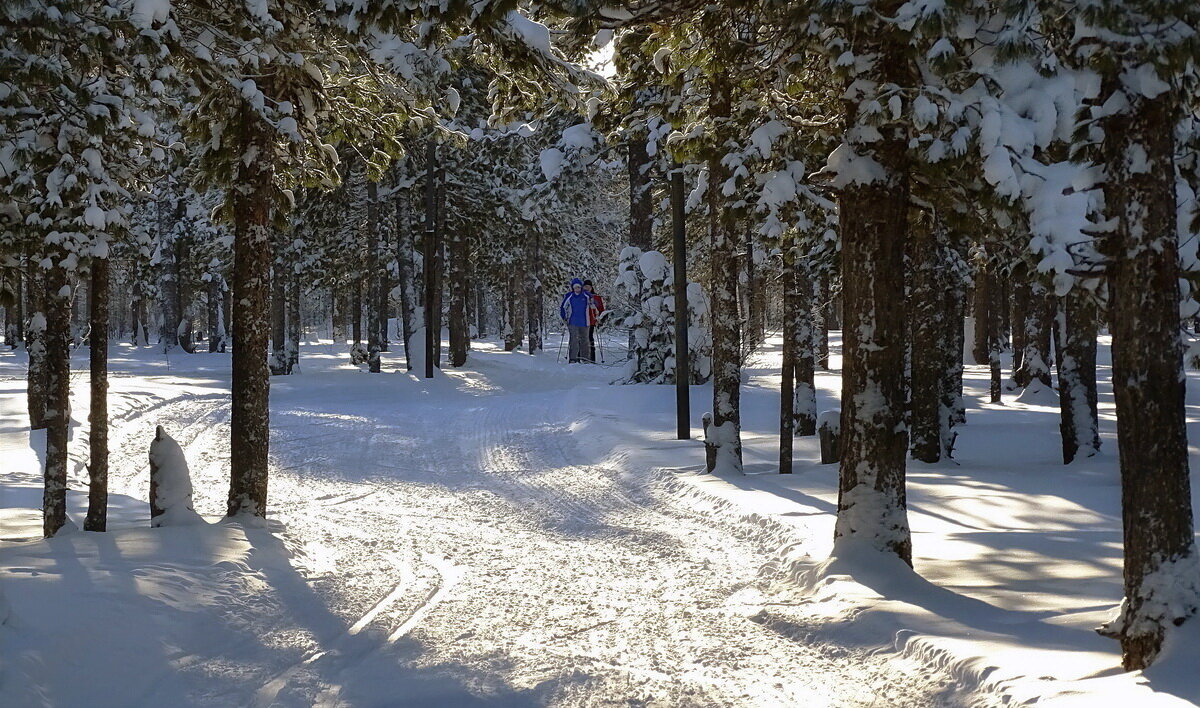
point(170, 484)
point(1038, 394)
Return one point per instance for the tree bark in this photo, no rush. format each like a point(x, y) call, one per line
point(515, 296)
point(1075, 341)
point(804, 403)
point(216, 323)
point(250, 412)
point(97, 513)
point(641, 206)
point(292, 320)
point(404, 268)
point(872, 504)
point(723, 437)
point(1035, 334)
point(533, 296)
point(980, 311)
point(1148, 378)
point(374, 280)
point(929, 325)
point(821, 320)
point(37, 384)
point(460, 335)
point(169, 215)
point(58, 398)
point(787, 387)
point(278, 365)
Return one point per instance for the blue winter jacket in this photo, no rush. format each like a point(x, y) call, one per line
point(574, 307)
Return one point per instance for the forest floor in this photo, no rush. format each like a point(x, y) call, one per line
point(521, 533)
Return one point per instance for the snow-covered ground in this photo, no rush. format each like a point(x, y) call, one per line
point(520, 532)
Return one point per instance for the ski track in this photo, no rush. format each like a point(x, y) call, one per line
point(471, 544)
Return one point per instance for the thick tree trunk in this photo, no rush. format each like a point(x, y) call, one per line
point(35, 346)
point(994, 327)
point(97, 513)
point(374, 280)
point(641, 206)
point(929, 329)
point(723, 436)
point(58, 398)
point(250, 413)
point(872, 504)
point(1161, 584)
point(1075, 342)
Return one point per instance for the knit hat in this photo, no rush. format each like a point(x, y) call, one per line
point(576, 281)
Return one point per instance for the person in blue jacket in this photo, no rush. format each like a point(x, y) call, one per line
point(574, 313)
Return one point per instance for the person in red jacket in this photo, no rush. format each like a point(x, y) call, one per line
point(594, 313)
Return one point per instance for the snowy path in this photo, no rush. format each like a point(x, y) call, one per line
point(463, 550)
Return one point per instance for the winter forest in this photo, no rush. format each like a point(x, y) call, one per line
point(662, 353)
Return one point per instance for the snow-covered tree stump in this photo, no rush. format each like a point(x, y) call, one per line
point(829, 428)
point(170, 484)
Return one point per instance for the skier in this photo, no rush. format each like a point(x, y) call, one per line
point(594, 313)
point(574, 311)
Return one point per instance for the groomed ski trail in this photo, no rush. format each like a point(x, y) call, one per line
point(472, 555)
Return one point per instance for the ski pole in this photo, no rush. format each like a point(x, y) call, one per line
point(560, 345)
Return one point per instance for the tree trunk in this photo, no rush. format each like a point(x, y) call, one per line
point(821, 319)
point(723, 437)
point(980, 303)
point(994, 326)
point(515, 296)
point(533, 296)
point(250, 412)
point(404, 268)
point(168, 288)
point(292, 319)
point(641, 205)
point(97, 513)
point(186, 330)
point(954, 304)
point(1018, 286)
point(58, 398)
point(460, 335)
point(872, 503)
point(37, 385)
point(787, 387)
point(1075, 341)
point(340, 315)
point(216, 315)
point(1035, 336)
point(1161, 585)
point(374, 280)
point(278, 365)
point(928, 322)
point(804, 404)
point(439, 267)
